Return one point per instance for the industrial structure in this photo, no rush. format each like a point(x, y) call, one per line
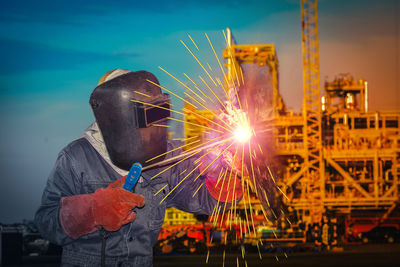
point(337, 157)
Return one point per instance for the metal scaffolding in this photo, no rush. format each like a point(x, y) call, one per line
point(337, 156)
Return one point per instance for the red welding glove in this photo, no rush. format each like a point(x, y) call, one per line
point(223, 187)
point(109, 208)
point(226, 190)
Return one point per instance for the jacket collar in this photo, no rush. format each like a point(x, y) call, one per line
point(95, 138)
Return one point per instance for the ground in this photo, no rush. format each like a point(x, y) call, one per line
point(379, 255)
point(355, 256)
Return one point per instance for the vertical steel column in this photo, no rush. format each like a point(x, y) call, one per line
point(311, 96)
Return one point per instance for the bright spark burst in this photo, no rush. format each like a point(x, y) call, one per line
point(242, 133)
point(234, 130)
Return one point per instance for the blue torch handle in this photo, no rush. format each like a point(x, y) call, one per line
point(133, 176)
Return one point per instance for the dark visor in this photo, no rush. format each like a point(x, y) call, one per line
point(148, 115)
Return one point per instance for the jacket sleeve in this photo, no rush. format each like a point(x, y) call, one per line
point(63, 181)
point(197, 193)
point(190, 195)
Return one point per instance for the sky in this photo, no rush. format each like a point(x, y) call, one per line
point(52, 54)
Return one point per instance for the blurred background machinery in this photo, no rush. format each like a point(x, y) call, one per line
point(337, 158)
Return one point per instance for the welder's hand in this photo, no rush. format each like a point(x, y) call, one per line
point(222, 176)
point(229, 160)
point(112, 207)
point(215, 161)
point(109, 208)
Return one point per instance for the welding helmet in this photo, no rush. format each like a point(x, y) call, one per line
point(129, 107)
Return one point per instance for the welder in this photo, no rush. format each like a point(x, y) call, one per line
point(84, 204)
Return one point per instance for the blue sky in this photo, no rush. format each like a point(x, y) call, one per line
point(52, 53)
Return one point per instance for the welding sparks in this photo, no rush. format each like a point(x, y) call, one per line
point(232, 124)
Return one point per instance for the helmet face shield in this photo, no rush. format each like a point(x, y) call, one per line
point(157, 112)
point(127, 110)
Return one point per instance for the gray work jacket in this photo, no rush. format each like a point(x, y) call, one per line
point(80, 169)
